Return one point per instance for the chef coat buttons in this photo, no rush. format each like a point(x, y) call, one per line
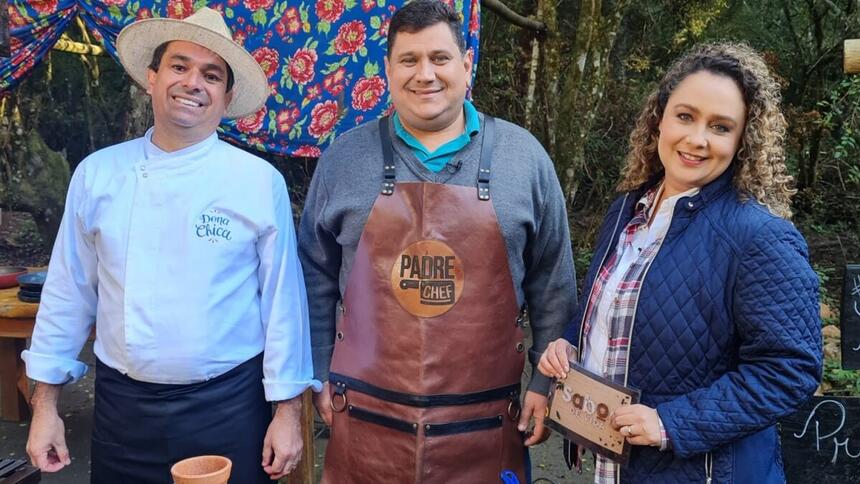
point(520, 347)
point(339, 336)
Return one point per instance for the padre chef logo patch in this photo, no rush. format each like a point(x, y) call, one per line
point(427, 278)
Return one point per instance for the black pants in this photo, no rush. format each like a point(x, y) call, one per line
point(141, 429)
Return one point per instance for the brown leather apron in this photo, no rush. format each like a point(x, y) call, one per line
point(429, 347)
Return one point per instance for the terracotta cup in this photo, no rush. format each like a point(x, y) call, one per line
point(203, 469)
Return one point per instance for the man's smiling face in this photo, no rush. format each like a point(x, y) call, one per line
point(189, 90)
point(428, 77)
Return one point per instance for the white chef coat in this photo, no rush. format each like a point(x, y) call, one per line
point(185, 262)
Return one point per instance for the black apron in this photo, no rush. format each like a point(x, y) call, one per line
point(141, 429)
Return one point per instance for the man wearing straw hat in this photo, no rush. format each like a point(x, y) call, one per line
point(180, 249)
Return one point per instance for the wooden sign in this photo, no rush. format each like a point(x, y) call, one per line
point(580, 407)
point(4, 30)
point(851, 56)
point(821, 442)
point(849, 318)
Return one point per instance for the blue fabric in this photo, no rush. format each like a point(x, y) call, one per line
point(437, 159)
point(323, 58)
point(727, 336)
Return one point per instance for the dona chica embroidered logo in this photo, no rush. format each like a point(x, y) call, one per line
point(213, 226)
point(427, 278)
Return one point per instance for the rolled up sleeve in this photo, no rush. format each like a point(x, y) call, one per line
point(69, 298)
point(287, 362)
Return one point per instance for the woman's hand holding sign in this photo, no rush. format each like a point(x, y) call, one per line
point(640, 424)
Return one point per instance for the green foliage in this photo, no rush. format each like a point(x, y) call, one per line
point(826, 278)
point(841, 382)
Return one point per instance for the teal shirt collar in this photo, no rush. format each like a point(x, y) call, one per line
point(437, 159)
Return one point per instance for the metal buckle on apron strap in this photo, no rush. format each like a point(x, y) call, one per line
point(339, 391)
point(514, 409)
point(486, 158)
point(387, 157)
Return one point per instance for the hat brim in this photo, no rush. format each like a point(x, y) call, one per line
point(136, 43)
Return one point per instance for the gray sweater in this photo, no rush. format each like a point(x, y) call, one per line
point(525, 194)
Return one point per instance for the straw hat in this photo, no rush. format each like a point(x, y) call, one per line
point(136, 43)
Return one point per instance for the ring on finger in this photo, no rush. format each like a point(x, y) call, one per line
point(625, 431)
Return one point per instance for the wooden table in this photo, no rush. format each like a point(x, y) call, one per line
point(16, 325)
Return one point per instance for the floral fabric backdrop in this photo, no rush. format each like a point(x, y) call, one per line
point(323, 58)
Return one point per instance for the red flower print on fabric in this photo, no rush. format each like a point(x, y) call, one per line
point(323, 118)
point(267, 58)
point(252, 122)
point(44, 7)
point(286, 119)
point(367, 92)
point(253, 5)
point(308, 151)
point(302, 65)
point(474, 19)
point(290, 23)
point(330, 10)
point(180, 8)
point(350, 38)
point(333, 83)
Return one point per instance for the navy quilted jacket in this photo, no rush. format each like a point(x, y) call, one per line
point(726, 340)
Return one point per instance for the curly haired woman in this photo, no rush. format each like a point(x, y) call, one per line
point(701, 294)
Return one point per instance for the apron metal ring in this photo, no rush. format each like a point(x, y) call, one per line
point(342, 406)
point(514, 410)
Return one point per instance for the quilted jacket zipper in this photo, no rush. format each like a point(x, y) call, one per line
point(633, 323)
point(709, 468)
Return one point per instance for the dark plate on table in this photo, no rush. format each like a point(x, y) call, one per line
point(32, 281)
point(9, 275)
point(24, 292)
point(29, 297)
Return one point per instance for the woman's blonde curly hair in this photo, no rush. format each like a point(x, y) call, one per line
point(759, 164)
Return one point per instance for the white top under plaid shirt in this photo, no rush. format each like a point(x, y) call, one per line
point(610, 312)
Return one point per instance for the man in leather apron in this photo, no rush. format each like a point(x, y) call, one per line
point(424, 236)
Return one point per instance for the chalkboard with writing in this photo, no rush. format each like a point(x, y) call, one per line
point(821, 441)
point(849, 322)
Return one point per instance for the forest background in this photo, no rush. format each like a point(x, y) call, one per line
point(575, 73)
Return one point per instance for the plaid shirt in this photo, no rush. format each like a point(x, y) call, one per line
point(621, 311)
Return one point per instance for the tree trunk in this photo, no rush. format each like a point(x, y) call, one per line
point(139, 117)
point(551, 72)
point(585, 84)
